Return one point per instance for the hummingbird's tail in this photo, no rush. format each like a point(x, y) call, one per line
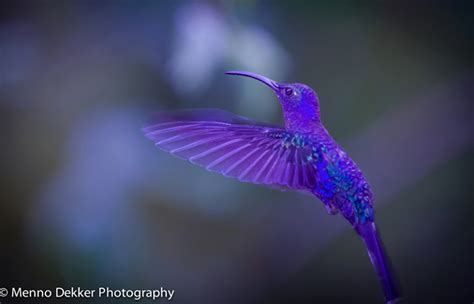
point(380, 260)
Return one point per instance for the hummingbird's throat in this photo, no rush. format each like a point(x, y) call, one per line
point(302, 121)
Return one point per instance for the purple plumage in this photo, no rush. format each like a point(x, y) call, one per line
point(301, 156)
point(235, 147)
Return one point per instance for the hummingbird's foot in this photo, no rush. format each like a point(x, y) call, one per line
point(330, 208)
point(328, 202)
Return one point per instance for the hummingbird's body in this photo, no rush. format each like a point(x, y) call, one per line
point(302, 156)
point(340, 184)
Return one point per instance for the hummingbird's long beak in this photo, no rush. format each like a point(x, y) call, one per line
point(271, 83)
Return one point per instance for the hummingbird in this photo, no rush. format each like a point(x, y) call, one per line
point(301, 156)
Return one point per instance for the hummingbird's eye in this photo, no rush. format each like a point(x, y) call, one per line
point(289, 91)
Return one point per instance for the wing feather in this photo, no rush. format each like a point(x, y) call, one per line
point(233, 146)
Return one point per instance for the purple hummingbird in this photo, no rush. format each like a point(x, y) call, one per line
point(301, 156)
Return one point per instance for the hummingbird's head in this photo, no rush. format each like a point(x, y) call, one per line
point(299, 102)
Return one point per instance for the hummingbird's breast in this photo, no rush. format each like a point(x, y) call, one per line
point(340, 183)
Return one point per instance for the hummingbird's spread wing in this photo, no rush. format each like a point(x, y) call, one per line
point(234, 146)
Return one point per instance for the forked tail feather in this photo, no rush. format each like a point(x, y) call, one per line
point(380, 260)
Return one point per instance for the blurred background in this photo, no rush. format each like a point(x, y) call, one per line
point(88, 201)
